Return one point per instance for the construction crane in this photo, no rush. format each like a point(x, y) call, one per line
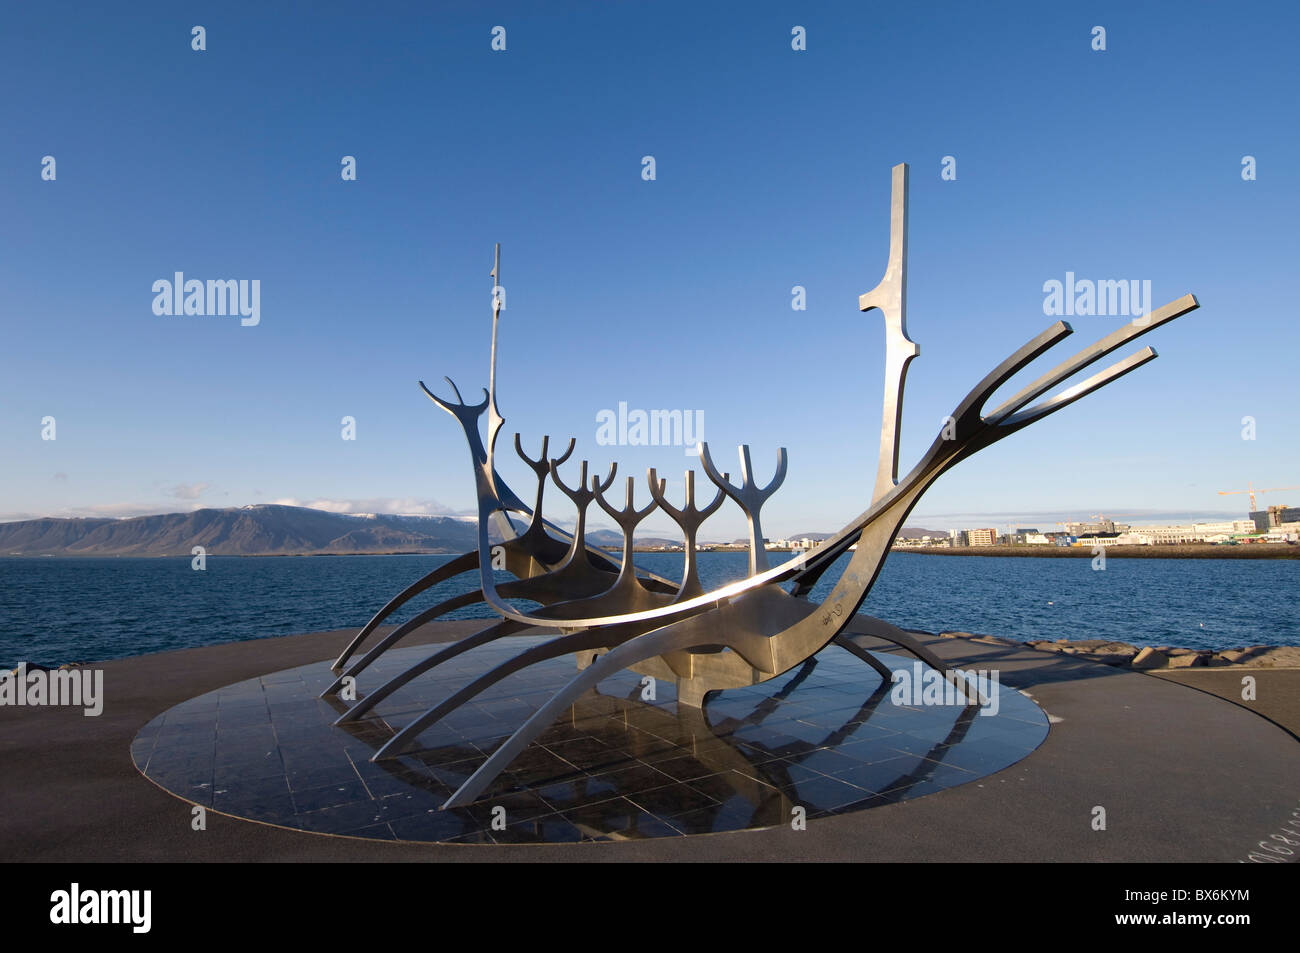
point(1250, 488)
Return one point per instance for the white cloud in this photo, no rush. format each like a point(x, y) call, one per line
point(402, 506)
point(102, 511)
point(188, 491)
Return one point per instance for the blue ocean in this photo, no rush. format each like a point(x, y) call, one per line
point(57, 610)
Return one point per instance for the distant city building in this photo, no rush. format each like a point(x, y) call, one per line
point(1085, 529)
point(982, 537)
point(1098, 539)
point(1194, 533)
point(1274, 517)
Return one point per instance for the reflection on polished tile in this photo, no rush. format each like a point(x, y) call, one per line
point(826, 737)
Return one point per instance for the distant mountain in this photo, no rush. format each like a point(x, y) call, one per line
point(244, 531)
point(270, 530)
point(609, 539)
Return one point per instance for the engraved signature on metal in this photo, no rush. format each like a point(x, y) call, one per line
point(612, 615)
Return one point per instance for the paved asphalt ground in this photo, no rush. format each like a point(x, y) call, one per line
point(1183, 775)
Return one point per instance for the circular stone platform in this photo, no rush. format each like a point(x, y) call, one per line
point(826, 737)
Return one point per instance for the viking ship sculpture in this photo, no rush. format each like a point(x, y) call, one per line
point(612, 615)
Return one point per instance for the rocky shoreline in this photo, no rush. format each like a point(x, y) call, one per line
point(1179, 551)
point(1124, 655)
point(1105, 651)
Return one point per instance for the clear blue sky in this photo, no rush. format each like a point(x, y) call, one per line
point(773, 170)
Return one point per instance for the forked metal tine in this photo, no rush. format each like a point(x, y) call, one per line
point(966, 417)
point(597, 486)
point(748, 496)
point(575, 493)
point(689, 514)
point(723, 482)
point(747, 472)
point(1082, 389)
point(629, 511)
point(559, 461)
point(657, 490)
point(712, 508)
point(456, 409)
point(540, 464)
point(688, 518)
point(1095, 352)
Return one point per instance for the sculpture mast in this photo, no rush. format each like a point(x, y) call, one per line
point(890, 296)
point(495, 420)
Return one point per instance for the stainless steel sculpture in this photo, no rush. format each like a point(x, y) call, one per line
point(612, 616)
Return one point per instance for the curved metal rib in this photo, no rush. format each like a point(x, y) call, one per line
point(845, 642)
point(482, 637)
point(462, 563)
point(563, 645)
point(401, 632)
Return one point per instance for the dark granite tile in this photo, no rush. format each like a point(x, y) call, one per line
point(374, 832)
point(474, 837)
point(538, 765)
point(457, 773)
point(452, 754)
point(629, 778)
point(682, 768)
point(249, 790)
point(669, 801)
point(722, 786)
point(411, 803)
point(884, 775)
point(617, 819)
point(824, 761)
point(517, 805)
point(551, 829)
point(435, 826)
point(983, 759)
point(580, 790)
point(304, 779)
point(383, 784)
point(273, 809)
point(252, 716)
point(823, 793)
point(709, 820)
point(337, 818)
point(250, 772)
point(307, 800)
